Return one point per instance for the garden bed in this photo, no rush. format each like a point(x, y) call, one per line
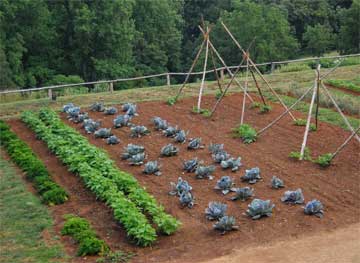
point(336, 187)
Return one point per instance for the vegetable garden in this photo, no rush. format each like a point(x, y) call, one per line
point(174, 182)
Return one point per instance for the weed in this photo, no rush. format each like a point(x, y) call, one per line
point(297, 155)
point(324, 160)
point(171, 101)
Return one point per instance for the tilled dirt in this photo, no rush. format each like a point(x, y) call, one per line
point(336, 187)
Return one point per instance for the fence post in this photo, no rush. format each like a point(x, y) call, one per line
point(50, 94)
point(168, 83)
point(272, 67)
point(222, 74)
point(111, 87)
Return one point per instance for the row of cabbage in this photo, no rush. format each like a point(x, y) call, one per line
point(50, 192)
point(119, 189)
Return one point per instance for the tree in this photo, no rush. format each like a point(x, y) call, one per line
point(349, 36)
point(268, 24)
point(319, 39)
point(158, 39)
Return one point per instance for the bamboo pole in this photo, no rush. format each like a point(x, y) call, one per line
point(345, 143)
point(191, 69)
point(285, 112)
point(307, 128)
point(317, 98)
point(245, 91)
point(215, 70)
point(339, 110)
point(257, 70)
point(258, 87)
point(203, 77)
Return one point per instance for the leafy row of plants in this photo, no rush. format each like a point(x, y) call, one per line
point(119, 189)
point(323, 160)
point(80, 229)
point(353, 85)
point(50, 192)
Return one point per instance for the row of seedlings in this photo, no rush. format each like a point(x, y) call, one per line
point(50, 192)
point(120, 190)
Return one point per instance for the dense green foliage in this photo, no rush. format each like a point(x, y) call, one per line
point(324, 160)
point(24, 220)
point(84, 235)
point(247, 133)
point(50, 192)
point(346, 84)
point(42, 40)
point(119, 189)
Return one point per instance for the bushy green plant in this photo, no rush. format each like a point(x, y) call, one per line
point(264, 108)
point(247, 133)
point(297, 155)
point(324, 160)
point(171, 101)
point(302, 122)
point(204, 112)
point(92, 246)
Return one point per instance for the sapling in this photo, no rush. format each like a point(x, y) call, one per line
point(195, 143)
point(231, 163)
point(169, 150)
point(225, 224)
point(190, 165)
point(180, 187)
point(202, 172)
point(293, 197)
point(314, 207)
point(112, 140)
point(152, 167)
point(110, 111)
point(276, 183)
point(243, 193)
point(251, 175)
point(97, 106)
point(103, 133)
point(225, 184)
point(258, 208)
point(215, 210)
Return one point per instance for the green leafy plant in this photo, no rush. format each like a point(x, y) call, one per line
point(255, 105)
point(265, 108)
point(302, 122)
point(324, 160)
point(204, 112)
point(218, 94)
point(297, 155)
point(247, 133)
point(115, 257)
point(171, 101)
point(50, 192)
point(79, 228)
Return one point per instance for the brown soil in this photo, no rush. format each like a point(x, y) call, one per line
point(337, 187)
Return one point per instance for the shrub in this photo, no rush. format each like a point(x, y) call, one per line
point(324, 160)
point(302, 122)
point(79, 228)
point(171, 101)
point(296, 155)
point(246, 133)
point(265, 108)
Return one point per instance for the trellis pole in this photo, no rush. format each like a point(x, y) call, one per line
point(257, 70)
point(354, 133)
point(204, 73)
point(245, 91)
point(215, 70)
point(258, 87)
point(307, 128)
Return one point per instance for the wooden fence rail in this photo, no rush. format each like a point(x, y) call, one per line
point(168, 75)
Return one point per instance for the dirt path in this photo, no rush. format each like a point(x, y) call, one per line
point(341, 245)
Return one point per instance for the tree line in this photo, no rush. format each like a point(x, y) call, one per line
point(46, 42)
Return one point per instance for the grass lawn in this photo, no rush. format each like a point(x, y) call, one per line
point(22, 221)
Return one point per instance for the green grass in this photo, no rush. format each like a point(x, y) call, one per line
point(23, 219)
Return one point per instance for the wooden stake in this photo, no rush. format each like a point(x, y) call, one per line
point(339, 110)
point(345, 143)
point(111, 87)
point(307, 128)
point(204, 74)
point(215, 71)
point(168, 83)
point(258, 87)
point(191, 69)
point(245, 91)
point(50, 94)
point(257, 70)
point(317, 98)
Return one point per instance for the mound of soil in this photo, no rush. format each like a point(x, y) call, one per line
point(336, 187)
